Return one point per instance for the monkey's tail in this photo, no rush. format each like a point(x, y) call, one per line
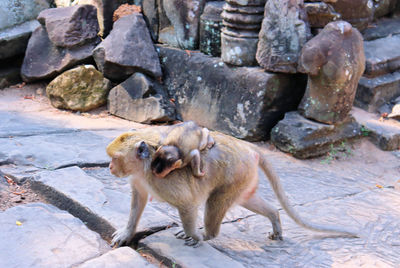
point(284, 201)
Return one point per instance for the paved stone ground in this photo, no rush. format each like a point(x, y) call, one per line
point(62, 156)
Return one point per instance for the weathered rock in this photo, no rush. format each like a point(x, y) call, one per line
point(239, 37)
point(304, 138)
point(335, 61)
point(320, 14)
point(374, 92)
point(384, 133)
point(47, 237)
point(382, 28)
point(105, 11)
point(9, 76)
point(70, 26)
point(210, 29)
point(283, 33)
point(183, 31)
point(127, 49)
point(14, 40)
point(384, 7)
point(141, 100)
point(43, 60)
point(357, 12)
point(80, 89)
point(151, 15)
point(243, 102)
point(382, 56)
point(14, 12)
point(119, 257)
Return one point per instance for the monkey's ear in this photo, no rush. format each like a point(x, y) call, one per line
point(177, 164)
point(143, 151)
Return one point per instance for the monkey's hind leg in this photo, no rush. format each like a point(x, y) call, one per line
point(217, 205)
point(188, 217)
point(258, 205)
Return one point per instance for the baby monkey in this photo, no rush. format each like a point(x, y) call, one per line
point(181, 147)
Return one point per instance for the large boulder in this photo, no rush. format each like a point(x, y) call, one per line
point(44, 60)
point(14, 12)
point(127, 49)
point(142, 100)
point(304, 138)
point(334, 61)
point(80, 89)
point(283, 33)
point(244, 102)
point(17, 22)
point(70, 26)
point(14, 40)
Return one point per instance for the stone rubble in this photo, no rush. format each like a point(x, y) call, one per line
point(141, 99)
point(45, 59)
point(127, 49)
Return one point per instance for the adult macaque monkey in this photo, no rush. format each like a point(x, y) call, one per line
point(230, 178)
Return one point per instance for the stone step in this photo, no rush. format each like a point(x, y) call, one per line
point(382, 56)
point(382, 28)
point(41, 235)
point(372, 93)
point(384, 133)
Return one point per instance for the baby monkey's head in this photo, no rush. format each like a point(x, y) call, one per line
point(166, 159)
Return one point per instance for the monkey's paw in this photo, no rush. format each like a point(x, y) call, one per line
point(122, 237)
point(189, 241)
point(275, 236)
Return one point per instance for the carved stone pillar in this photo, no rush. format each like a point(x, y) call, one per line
point(242, 22)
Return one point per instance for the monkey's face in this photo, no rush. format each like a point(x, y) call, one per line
point(129, 159)
point(166, 159)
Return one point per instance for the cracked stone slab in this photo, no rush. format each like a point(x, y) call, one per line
point(165, 244)
point(47, 237)
point(374, 215)
point(120, 257)
point(103, 204)
point(56, 150)
point(372, 93)
point(384, 133)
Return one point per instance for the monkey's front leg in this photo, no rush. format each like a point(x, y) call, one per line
point(125, 235)
point(189, 233)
